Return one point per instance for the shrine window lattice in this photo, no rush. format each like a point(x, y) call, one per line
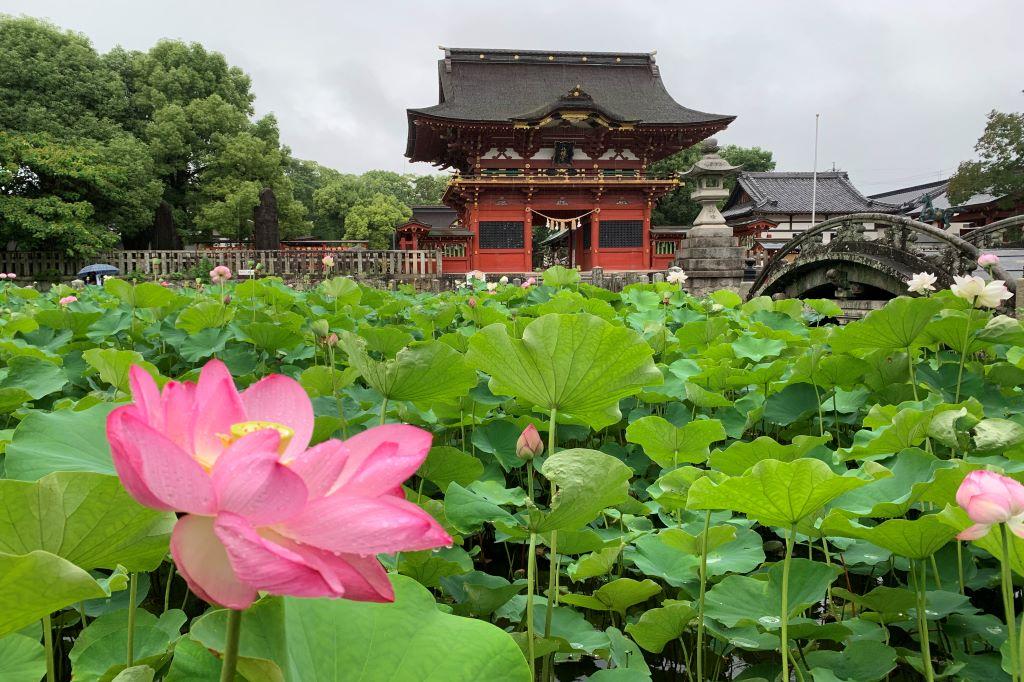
point(664, 248)
point(453, 250)
point(501, 234)
point(621, 234)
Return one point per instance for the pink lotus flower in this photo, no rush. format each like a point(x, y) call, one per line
point(986, 260)
point(11, 275)
point(262, 510)
point(988, 499)
point(165, 284)
point(68, 300)
point(529, 444)
point(220, 274)
point(328, 262)
point(3, 275)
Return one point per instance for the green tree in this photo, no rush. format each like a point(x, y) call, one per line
point(1000, 170)
point(375, 220)
point(194, 111)
point(71, 177)
point(677, 208)
point(307, 177)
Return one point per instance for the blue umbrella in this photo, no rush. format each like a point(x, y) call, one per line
point(98, 269)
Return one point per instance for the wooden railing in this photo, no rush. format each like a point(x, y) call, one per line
point(45, 265)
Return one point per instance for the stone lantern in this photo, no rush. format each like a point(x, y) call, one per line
point(709, 253)
point(710, 173)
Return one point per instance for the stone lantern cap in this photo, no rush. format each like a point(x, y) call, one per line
point(710, 163)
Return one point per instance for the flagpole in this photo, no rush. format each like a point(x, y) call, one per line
point(814, 176)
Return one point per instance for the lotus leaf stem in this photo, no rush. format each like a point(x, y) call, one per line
point(963, 353)
point(51, 672)
point(700, 596)
point(784, 615)
point(1007, 588)
point(917, 573)
point(133, 590)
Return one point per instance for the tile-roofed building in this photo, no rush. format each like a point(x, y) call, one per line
point(559, 139)
point(977, 210)
point(778, 205)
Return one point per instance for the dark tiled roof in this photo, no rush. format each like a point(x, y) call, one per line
point(914, 194)
point(911, 199)
point(774, 192)
point(514, 84)
point(439, 217)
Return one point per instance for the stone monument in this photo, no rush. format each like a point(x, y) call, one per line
point(711, 257)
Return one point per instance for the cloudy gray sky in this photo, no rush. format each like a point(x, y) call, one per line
point(902, 86)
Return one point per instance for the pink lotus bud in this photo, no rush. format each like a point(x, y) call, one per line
point(68, 300)
point(3, 275)
point(531, 280)
point(227, 299)
point(165, 284)
point(988, 260)
point(988, 499)
point(529, 444)
point(471, 302)
point(11, 275)
point(331, 340)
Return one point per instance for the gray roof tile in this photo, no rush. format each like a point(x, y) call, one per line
point(515, 84)
point(775, 192)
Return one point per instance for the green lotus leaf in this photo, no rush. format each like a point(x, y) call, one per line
point(38, 378)
point(66, 440)
point(586, 482)
point(143, 295)
point(774, 492)
point(87, 518)
point(657, 627)
point(576, 364)
point(480, 594)
point(205, 315)
point(618, 595)
point(916, 539)
point(35, 584)
point(99, 650)
point(410, 638)
point(600, 562)
point(913, 470)
point(857, 662)
point(755, 348)
point(741, 455)
point(467, 511)
point(898, 325)
point(747, 600)
point(427, 371)
point(669, 445)
point(114, 365)
point(22, 659)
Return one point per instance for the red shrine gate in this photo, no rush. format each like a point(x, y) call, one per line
point(556, 139)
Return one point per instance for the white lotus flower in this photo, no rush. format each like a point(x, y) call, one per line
point(921, 282)
point(676, 277)
point(980, 293)
point(492, 286)
point(503, 280)
point(475, 274)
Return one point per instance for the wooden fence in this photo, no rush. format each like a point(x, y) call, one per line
point(52, 265)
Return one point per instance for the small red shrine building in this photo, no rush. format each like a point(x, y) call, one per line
point(437, 228)
point(562, 140)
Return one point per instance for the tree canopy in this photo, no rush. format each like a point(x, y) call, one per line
point(92, 144)
point(677, 208)
point(1000, 170)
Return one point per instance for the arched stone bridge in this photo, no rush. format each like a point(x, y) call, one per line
point(857, 271)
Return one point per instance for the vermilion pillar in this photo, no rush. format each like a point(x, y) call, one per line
point(595, 238)
point(647, 235)
point(527, 240)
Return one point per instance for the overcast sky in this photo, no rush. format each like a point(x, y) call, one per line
point(902, 86)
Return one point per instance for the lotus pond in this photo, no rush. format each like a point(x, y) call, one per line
point(617, 487)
